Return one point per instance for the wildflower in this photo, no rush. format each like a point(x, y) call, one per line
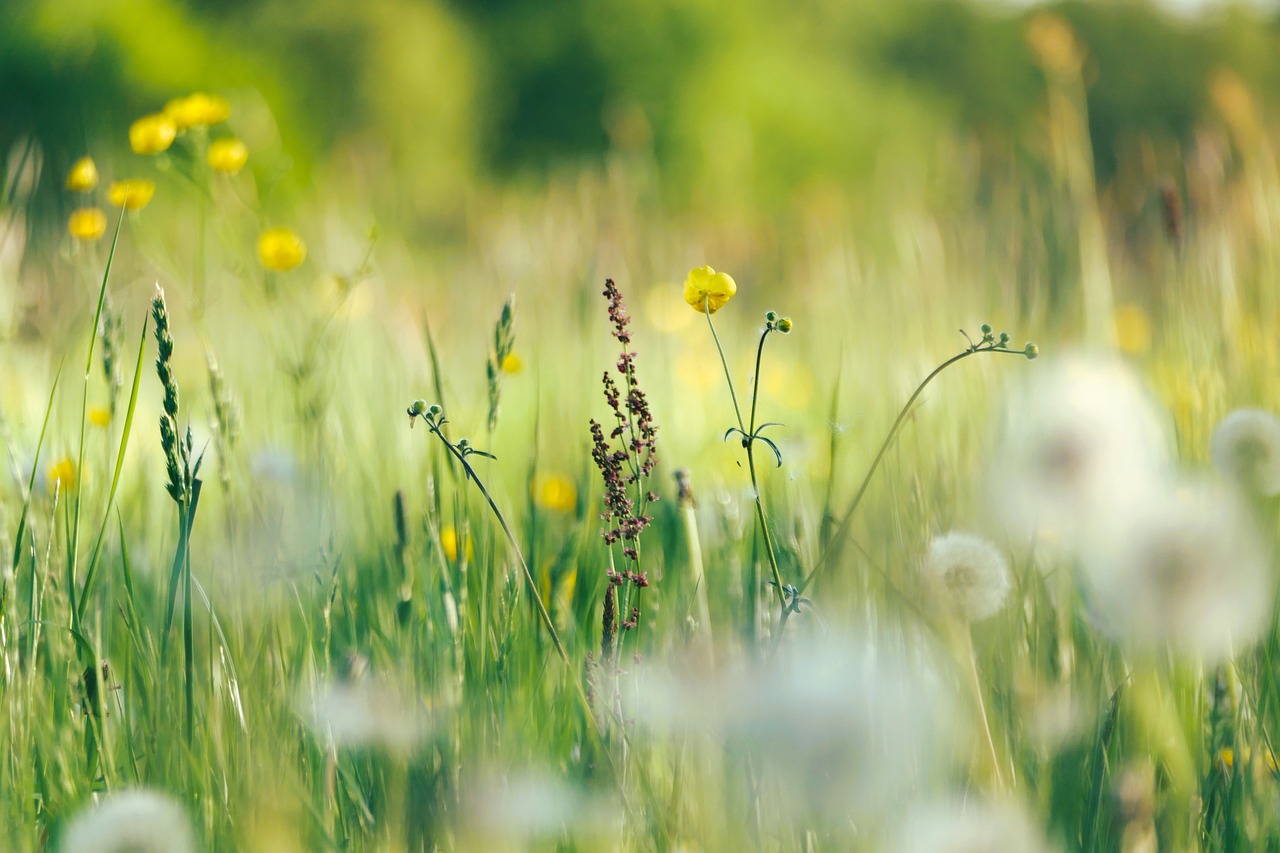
point(554, 492)
point(969, 828)
point(850, 724)
point(228, 155)
point(130, 821)
point(1246, 448)
point(1187, 569)
point(152, 134)
point(707, 290)
point(100, 417)
point(968, 573)
point(449, 544)
point(512, 364)
point(197, 110)
point(1133, 329)
point(87, 223)
point(358, 713)
point(132, 194)
point(63, 472)
point(83, 176)
point(281, 249)
point(1083, 444)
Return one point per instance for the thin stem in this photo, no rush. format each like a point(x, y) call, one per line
point(843, 527)
point(728, 377)
point(976, 681)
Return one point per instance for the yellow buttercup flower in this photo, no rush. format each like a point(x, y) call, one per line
point(64, 472)
point(152, 134)
point(87, 223)
point(555, 492)
point(83, 175)
point(197, 110)
point(512, 364)
point(100, 417)
point(1133, 329)
point(707, 290)
point(133, 194)
point(449, 544)
point(228, 155)
point(281, 249)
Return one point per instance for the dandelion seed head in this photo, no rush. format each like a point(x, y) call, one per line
point(1189, 570)
point(1245, 447)
point(130, 821)
point(970, 828)
point(966, 574)
point(1083, 443)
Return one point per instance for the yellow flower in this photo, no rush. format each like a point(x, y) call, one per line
point(449, 543)
point(554, 492)
point(228, 155)
point(133, 194)
point(152, 134)
point(87, 223)
point(708, 290)
point(197, 110)
point(1133, 329)
point(83, 175)
point(281, 249)
point(512, 364)
point(64, 472)
point(100, 417)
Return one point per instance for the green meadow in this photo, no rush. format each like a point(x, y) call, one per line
point(664, 427)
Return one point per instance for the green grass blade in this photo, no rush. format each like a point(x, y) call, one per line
point(91, 570)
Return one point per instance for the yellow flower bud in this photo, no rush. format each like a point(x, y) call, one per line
point(281, 249)
point(707, 291)
point(512, 364)
point(83, 175)
point(133, 194)
point(87, 223)
point(152, 134)
point(228, 155)
point(197, 110)
point(100, 417)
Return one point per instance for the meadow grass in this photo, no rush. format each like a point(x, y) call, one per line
point(390, 641)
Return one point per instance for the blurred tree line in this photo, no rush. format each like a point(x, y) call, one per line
point(744, 103)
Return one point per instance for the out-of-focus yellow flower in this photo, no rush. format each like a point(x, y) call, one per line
point(133, 194)
point(83, 175)
point(449, 544)
point(1133, 329)
point(555, 492)
point(87, 223)
point(152, 134)
point(1054, 43)
point(198, 109)
point(228, 155)
point(1227, 758)
point(281, 249)
point(708, 290)
point(512, 364)
point(64, 472)
point(100, 417)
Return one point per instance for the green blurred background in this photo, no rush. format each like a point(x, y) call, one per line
point(753, 105)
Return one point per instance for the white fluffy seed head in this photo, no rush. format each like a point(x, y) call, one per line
point(1246, 448)
point(1189, 571)
point(966, 575)
point(130, 821)
point(1082, 443)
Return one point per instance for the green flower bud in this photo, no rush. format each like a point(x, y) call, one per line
point(986, 328)
point(435, 411)
point(1004, 338)
point(463, 444)
point(784, 325)
point(418, 407)
point(1031, 351)
point(771, 317)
